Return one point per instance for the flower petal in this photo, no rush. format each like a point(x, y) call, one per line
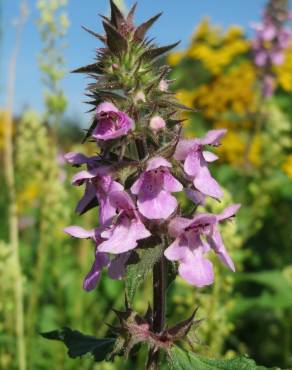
point(75, 158)
point(157, 162)
point(196, 196)
point(136, 187)
point(184, 147)
point(79, 232)
point(170, 183)
point(205, 183)
point(177, 226)
point(159, 207)
point(123, 237)
point(218, 246)
point(91, 279)
point(178, 250)
point(209, 156)
point(121, 200)
point(228, 212)
point(193, 163)
point(88, 197)
point(106, 107)
point(213, 137)
point(117, 266)
point(197, 271)
point(80, 177)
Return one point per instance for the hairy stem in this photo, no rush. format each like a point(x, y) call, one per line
point(159, 302)
point(159, 290)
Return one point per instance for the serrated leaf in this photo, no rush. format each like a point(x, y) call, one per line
point(184, 360)
point(144, 27)
point(115, 41)
point(154, 53)
point(142, 264)
point(79, 344)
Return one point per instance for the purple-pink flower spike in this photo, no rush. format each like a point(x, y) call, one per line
point(139, 166)
point(271, 40)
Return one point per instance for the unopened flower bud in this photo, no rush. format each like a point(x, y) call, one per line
point(157, 123)
point(163, 85)
point(140, 96)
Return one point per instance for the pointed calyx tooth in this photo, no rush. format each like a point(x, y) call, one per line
point(130, 16)
point(96, 68)
point(153, 53)
point(117, 16)
point(97, 35)
point(115, 41)
point(181, 330)
point(140, 31)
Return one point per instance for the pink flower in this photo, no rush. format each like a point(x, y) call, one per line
point(99, 185)
point(196, 162)
point(123, 235)
point(101, 259)
point(111, 123)
point(193, 239)
point(116, 266)
point(77, 159)
point(268, 86)
point(153, 189)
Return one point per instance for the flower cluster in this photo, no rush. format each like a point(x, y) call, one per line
point(124, 214)
point(142, 162)
point(269, 45)
point(214, 49)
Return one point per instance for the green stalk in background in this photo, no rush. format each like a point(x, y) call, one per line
point(53, 24)
point(10, 182)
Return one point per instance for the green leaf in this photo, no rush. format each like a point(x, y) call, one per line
point(184, 360)
point(141, 263)
point(79, 344)
point(277, 294)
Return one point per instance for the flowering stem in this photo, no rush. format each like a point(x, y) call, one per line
point(159, 290)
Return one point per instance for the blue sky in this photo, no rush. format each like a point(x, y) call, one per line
point(177, 23)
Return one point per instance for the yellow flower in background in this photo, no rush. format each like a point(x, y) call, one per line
point(186, 97)
point(284, 71)
point(174, 58)
point(233, 91)
point(27, 196)
point(234, 32)
point(204, 31)
point(235, 147)
point(214, 49)
point(287, 166)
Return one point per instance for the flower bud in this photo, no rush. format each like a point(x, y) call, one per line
point(157, 123)
point(163, 85)
point(139, 96)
